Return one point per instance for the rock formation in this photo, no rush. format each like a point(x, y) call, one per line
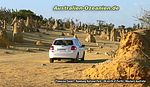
point(132, 59)
point(90, 38)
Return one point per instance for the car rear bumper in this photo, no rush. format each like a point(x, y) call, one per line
point(65, 55)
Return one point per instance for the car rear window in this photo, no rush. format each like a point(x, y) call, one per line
point(63, 42)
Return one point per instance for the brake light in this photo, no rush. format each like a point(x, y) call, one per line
point(52, 48)
point(73, 48)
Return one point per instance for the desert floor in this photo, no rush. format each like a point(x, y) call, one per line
point(27, 65)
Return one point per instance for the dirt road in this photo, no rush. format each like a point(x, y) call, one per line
point(34, 70)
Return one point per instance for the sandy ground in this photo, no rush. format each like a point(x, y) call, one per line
point(19, 68)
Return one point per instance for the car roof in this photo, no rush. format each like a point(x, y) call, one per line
point(65, 38)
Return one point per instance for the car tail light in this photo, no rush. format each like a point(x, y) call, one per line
point(52, 48)
point(73, 48)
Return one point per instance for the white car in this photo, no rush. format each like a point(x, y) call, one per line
point(66, 48)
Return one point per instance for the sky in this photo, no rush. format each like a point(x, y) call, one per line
point(125, 16)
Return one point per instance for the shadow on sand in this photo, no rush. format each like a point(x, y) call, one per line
point(85, 61)
point(93, 61)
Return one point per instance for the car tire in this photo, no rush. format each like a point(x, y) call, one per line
point(51, 60)
point(82, 59)
point(76, 59)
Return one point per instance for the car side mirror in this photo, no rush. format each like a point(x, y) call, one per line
point(83, 46)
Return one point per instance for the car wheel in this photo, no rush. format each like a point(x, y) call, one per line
point(76, 59)
point(82, 59)
point(51, 60)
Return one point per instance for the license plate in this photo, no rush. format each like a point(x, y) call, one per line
point(61, 50)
